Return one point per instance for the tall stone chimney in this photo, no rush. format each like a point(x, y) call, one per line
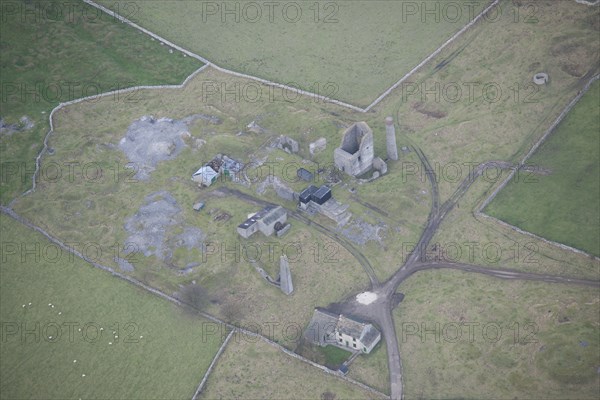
point(285, 276)
point(390, 139)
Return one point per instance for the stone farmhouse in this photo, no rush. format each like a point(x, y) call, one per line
point(326, 328)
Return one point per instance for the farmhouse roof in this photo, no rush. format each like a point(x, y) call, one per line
point(322, 324)
point(366, 333)
point(370, 335)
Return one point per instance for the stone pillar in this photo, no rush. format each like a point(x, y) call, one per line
point(390, 138)
point(285, 276)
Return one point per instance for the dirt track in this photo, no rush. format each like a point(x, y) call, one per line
point(364, 262)
point(380, 311)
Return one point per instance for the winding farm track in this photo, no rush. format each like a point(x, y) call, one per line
point(507, 273)
point(364, 262)
point(380, 311)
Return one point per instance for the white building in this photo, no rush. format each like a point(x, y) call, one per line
point(268, 220)
point(205, 176)
point(355, 335)
point(326, 328)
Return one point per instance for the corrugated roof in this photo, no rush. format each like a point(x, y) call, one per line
point(321, 192)
point(262, 214)
point(206, 172)
point(306, 193)
point(273, 215)
point(247, 223)
point(305, 174)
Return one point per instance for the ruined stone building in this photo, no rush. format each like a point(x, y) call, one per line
point(355, 155)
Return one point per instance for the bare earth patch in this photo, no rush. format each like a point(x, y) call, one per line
point(152, 228)
point(149, 141)
point(366, 298)
point(360, 232)
point(422, 108)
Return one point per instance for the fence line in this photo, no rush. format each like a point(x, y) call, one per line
point(94, 97)
point(316, 365)
point(431, 56)
point(487, 201)
point(11, 213)
point(533, 235)
point(212, 364)
point(146, 31)
point(219, 68)
point(293, 89)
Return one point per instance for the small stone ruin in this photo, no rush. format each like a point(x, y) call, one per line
point(317, 146)
point(541, 78)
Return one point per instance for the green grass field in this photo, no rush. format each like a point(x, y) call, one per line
point(457, 128)
point(350, 50)
point(232, 282)
point(334, 356)
point(482, 241)
point(159, 352)
point(372, 369)
point(561, 205)
point(251, 369)
point(59, 60)
point(542, 344)
point(47, 60)
point(563, 42)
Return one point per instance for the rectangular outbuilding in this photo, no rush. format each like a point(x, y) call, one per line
point(265, 221)
point(321, 195)
point(306, 194)
point(305, 175)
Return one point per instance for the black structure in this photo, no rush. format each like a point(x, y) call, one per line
point(306, 194)
point(321, 195)
point(305, 175)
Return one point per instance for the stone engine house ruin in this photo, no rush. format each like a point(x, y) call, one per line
point(355, 155)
